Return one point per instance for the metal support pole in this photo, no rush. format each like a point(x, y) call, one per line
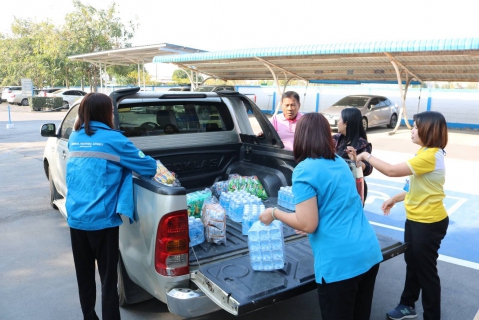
point(317, 101)
point(403, 99)
point(278, 88)
point(10, 125)
point(139, 79)
point(144, 76)
point(101, 80)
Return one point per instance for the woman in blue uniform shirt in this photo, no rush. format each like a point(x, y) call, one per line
point(100, 188)
point(328, 208)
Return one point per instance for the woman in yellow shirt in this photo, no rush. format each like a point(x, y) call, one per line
point(426, 217)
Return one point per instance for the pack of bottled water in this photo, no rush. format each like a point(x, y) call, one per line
point(214, 220)
point(266, 246)
point(196, 231)
point(233, 202)
point(286, 198)
point(251, 214)
point(194, 202)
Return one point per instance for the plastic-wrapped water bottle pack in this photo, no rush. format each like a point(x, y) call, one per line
point(214, 219)
point(266, 246)
point(194, 202)
point(234, 202)
point(286, 198)
point(196, 231)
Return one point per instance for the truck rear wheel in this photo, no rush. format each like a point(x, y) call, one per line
point(121, 284)
point(128, 291)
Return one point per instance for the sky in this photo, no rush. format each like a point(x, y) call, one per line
point(216, 25)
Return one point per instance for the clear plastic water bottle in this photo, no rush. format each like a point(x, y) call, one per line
point(191, 230)
point(245, 224)
point(281, 197)
point(264, 234)
point(201, 230)
point(236, 210)
point(268, 264)
point(253, 235)
point(257, 265)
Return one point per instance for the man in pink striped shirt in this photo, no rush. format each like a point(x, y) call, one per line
point(285, 123)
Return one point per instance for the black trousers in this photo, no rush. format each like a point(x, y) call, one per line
point(348, 299)
point(102, 246)
point(421, 270)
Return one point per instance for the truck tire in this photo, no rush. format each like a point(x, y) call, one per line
point(54, 195)
point(128, 291)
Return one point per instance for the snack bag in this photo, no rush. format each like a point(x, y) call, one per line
point(164, 176)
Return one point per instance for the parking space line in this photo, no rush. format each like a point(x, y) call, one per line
point(383, 185)
point(456, 261)
point(450, 211)
point(456, 206)
point(386, 226)
point(460, 262)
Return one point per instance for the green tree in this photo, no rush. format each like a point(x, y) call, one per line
point(30, 52)
point(93, 30)
point(180, 77)
point(40, 50)
point(128, 75)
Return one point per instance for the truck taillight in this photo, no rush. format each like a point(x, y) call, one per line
point(172, 251)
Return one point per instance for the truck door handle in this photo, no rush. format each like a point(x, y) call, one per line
point(64, 154)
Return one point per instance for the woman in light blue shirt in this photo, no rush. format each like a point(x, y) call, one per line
point(328, 208)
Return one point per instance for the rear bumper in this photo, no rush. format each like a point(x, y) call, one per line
point(188, 303)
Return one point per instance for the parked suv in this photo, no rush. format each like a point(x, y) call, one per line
point(7, 91)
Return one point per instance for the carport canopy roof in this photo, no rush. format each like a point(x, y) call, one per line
point(133, 55)
point(354, 63)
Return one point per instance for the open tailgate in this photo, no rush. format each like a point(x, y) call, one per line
point(237, 288)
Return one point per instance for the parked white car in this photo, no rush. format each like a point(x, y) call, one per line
point(8, 90)
point(69, 96)
point(17, 97)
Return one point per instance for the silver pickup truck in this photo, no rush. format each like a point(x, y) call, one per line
point(213, 138)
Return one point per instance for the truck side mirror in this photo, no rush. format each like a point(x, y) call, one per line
point(48, 130)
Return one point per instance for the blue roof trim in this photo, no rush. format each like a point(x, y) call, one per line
point(341, 48)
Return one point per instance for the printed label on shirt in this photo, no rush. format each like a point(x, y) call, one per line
point(406, 185)
point(141, 154)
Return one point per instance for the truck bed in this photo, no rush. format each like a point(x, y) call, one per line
point(224, 272)
point(237, 243)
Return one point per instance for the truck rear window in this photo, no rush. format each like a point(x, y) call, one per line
point(161, 118)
